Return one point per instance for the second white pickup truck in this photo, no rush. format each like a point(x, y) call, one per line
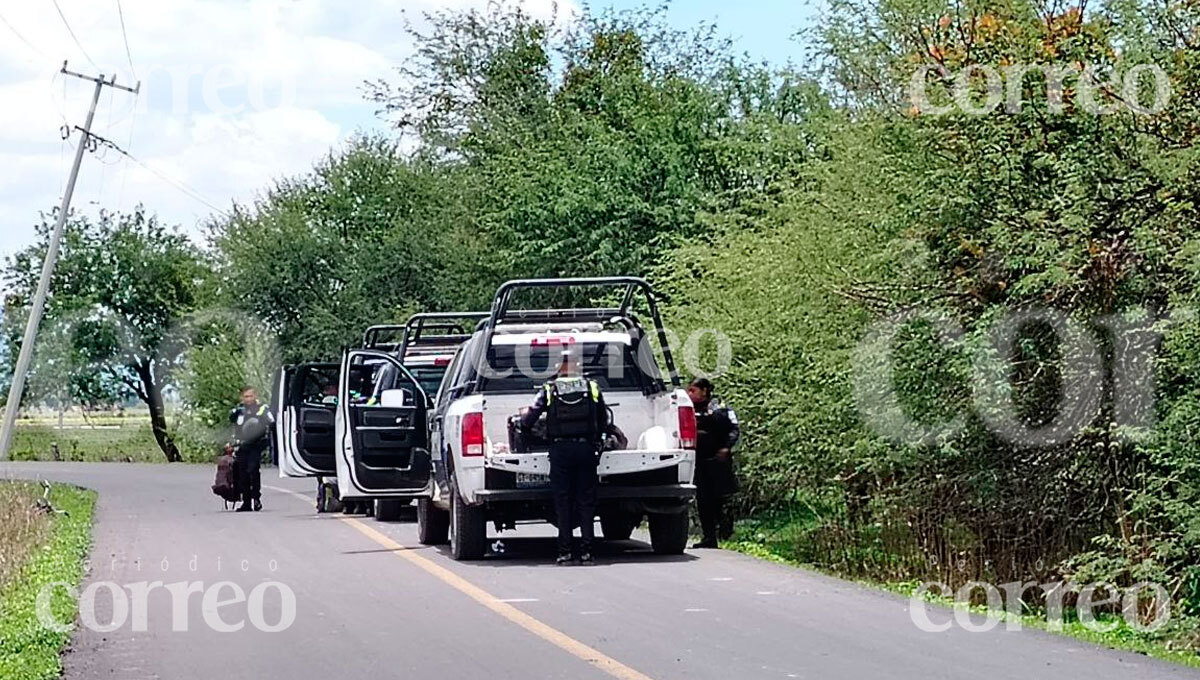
point(486, 473)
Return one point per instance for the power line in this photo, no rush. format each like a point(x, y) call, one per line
point(72, 32)
point(178, 185)
point(128, 145)
point(125, 35)
point(21, 37)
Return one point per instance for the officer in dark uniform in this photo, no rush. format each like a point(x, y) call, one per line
point(576, 419)
point(718, 432)
point(252, 422)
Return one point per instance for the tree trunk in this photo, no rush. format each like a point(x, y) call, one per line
point(152, 395)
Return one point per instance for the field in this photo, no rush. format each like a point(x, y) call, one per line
point(106, 438)
point(127, 440)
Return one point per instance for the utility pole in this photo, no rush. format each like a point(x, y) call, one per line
point(17, 391)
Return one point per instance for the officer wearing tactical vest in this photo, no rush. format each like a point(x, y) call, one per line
point(252, 421)
point(576, 419)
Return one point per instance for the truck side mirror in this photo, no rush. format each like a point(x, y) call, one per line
point(395, 398)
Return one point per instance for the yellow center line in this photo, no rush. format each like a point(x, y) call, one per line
point(542, 630)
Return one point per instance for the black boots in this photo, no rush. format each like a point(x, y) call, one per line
point(251, 506)
point(567, 560)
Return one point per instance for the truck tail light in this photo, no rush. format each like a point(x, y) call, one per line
point(473, 437)
point(687, 427)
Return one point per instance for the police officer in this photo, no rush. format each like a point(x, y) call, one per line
point(252, 421)
point(718, 432)
point(576, 419)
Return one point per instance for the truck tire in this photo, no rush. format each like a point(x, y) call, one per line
point(433, 523)
point(669, 533)
point(617, 525)
point(388, 510)
point(468, 529)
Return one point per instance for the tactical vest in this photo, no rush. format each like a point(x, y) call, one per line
point(573, 409)
point(252, 426)
point(712, 430)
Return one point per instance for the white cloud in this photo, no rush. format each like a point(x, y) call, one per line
point(235, 94)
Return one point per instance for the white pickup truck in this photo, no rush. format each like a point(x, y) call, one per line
point(487, 473)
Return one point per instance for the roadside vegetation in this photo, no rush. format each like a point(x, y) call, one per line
point(21, 528)
point(790, 208)
point(50, 548)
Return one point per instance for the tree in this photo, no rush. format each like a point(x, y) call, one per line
point(123, 290)
point(367, 238)
point(967, 217)
point(588, 144)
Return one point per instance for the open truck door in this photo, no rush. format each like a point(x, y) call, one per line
point(305, 417)
point(382, 442)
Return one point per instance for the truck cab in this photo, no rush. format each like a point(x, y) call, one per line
point(486, 472)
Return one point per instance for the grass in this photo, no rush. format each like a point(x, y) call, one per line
point(22, 529)
point(778, 540)
point(29, 650)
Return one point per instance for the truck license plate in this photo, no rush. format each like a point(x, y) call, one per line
point(529, 481)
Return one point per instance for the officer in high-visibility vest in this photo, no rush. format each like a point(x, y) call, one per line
point(252, 421)
point(576, 419)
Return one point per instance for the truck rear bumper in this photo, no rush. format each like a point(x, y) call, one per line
point(674, 492)
point(611, 462)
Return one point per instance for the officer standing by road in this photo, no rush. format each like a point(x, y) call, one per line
point(718, 432)
point(576, 419)
point(252, 421)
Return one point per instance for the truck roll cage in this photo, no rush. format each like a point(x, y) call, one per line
point(503, 311)
point(429, 331)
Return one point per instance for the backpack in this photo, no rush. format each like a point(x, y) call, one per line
point(226, 484)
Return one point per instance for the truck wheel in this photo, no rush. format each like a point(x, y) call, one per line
point(669, 533)
point(388, 510)
point(433, 523)
point(617, 525)
point(468, 529)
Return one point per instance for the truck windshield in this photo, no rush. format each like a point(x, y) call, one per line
point(525, 368)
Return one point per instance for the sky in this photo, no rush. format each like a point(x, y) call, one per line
point(234, 93)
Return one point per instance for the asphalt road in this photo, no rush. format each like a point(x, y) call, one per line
point(371, 603)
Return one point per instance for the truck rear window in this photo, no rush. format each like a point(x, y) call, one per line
point(525, 368)
point(429, 377)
